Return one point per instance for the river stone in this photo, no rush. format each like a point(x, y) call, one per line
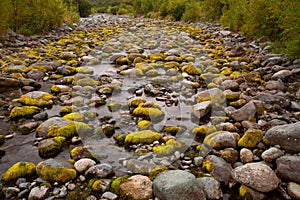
point(246, 155)
point(221, 139)
point(84, 164)
point(35, 74)
point(230, 85)
point(211, 187)
point(258, 176)
point(248, 193)
point(39, 193)
point(51, 147)
point(102, 170)
point(275, 85)
point(201, 109)
point(247, 112)
point(55, 171)
point(109, 196)
point(9, 82)
point(283, 75)
point(271, 154)
point(37, 98)
point(272, 99)
point(137, 187)
point(218, 168)
point(177, 185)
point(288, 168)
point(18, 170)
point(294, 190)
point(286, 136)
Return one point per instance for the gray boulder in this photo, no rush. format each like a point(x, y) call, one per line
point(288, 168)
point(177, 185)
point(286, 136)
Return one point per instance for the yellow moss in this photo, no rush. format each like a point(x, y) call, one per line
point(41, 101)
point(18, 170)
point(172, 64)
point(190, 69)
point(251, 138)
point(66, 110)
point(144, 137)
point(144, 124)
point(136, 102)
point(25, 111)
point(239, 103)
point(226, 72)
point(156, 171)
point(157, 57)
point(54, 148)
point(207, 166)
point(17, 76)
point(203, 130)
point(84, 70)
point(75, 116)
point(86, 82)
point(154, 114)
point(232, 96)
point(172, 130)
point(115, 184)
point(59, 174)
point(169, 148)
point(245, 193)
point(70, 130)
point(152, 72)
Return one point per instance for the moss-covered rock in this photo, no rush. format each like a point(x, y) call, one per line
point(173, 130)
point(66, 110)
point(18, 170)
point(190, 69)
point(23, 112)
point(221, 140)
point(37, 98)
point(169, 148)
point(239, 103)
point(152, 72)
point(156, 171)
point(135, 102)
point(203, 130)
point(81, 152)
point(60, 88)
point(86, 82)
point(74, 116)
point(144, 124)
point(85, 70)
point(54, 171)
point(115, 184)
point(250, 138)
point(51, 147)
point(113, 107)
point(148, 113)
point(143, 137)
point(2, 139)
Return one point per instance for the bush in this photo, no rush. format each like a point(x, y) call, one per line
point(84, 7)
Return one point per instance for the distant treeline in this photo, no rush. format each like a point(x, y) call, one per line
point(272, 20)
point(35, 16)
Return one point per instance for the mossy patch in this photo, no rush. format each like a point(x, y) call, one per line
point(86, 82)
point(169, 148)
point(144, 124)
point(173, 130)
point(74, 116)
point(42, 100)
point(113, 107)
point(81, 152)
point(23, 112)
point(85, 70)
point(115, 184)
point(191, 70)
point(251, 138)
point(148, 113)
point(66, 110)
point(144, 137)
point(52, 171)
point(156, 171)
point(203, 130)
point(18, 170)
point(73, 128)
point(51, 147)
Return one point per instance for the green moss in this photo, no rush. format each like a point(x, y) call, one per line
point(149, 113)
point(70, 130)
point(80, 152)
point(18, 170)
point(173, 130)
point(157, 57)
point(172, 64)
point(25, 111)
point(56, 76)
point(169, 148)
point(120, 139)
point(115, 184)
point(144, 124)
point(203, 130)
point(57, 174)
point(226, 71)
point(42, 101)
point(245, 193)
point(97, 185)
point(86, 82)
point(108, 130)
point(152, 72)
point(90, 115)
point(239, 103)
point(207, 166)
point(55, 89)
point(251, 138)
point(74, 116)
point(144, 137)
point(135, 102)
point(113, 107)
point(190, 69)
point(66, 110)
point(84, 70)
point(156, 171)
point(54, 148)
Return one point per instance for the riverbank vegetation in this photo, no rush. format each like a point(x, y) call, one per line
point(268, 20)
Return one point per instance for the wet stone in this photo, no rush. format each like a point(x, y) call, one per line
point(100, 171)
point(287, 167)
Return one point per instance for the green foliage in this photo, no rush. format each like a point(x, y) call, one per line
point(212, 9)
point(84, 7)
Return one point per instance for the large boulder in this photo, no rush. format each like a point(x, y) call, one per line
point(286, 136)
point(288, 168)
point(258, 176)
point(18, 170)
point(177, 185)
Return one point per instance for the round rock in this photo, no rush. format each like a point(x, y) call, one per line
point(177, 185)
point(84, 164)
point(257, 176)
point(288, 168)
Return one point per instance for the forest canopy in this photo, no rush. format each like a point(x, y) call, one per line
point(277, 21)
